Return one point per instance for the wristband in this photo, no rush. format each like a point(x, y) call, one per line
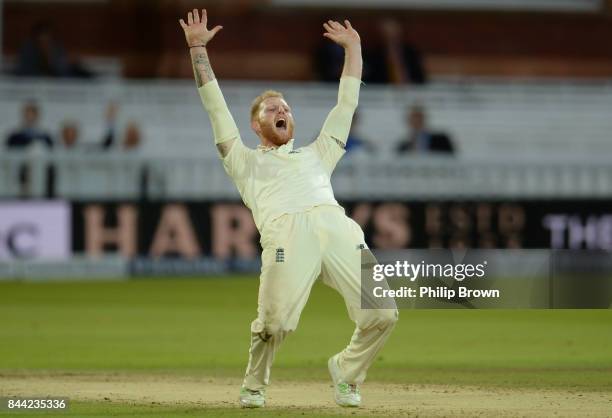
point(197, 46)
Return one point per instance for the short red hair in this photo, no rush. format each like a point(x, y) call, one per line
point(259, 99)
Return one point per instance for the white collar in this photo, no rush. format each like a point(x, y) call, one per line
point(285, 148)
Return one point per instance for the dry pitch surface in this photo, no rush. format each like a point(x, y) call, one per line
point(379, 398)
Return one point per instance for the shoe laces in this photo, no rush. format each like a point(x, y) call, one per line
point(253, 392)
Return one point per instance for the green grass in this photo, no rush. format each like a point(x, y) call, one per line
point(201, 327)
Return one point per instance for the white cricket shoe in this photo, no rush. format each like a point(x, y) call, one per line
point(252, 398)
point(345, 394)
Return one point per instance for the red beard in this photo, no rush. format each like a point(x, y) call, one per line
point(275, 135)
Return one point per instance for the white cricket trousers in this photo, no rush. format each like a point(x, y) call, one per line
point(297, 249)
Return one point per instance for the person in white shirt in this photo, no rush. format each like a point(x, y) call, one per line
point(305, 233)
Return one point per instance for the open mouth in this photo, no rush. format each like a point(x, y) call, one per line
point(281, 124)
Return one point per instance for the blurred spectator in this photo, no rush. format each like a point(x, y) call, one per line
point(43, 55)
point(111, 120)
point(69, 135)
point(131, 143)
point(29, 136)
point(355, 143)
point(421, 139)
point(29, 133)
point(398, 61)
point(70, 132)
point(68, 142)
point(131, 137)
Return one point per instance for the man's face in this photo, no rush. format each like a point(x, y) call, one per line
point(274, 121)
point(132, 136)
point(30, 115)
point(70, 135)
point(416, 119)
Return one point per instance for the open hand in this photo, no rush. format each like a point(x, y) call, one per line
point(345, 36)
point(195, 29)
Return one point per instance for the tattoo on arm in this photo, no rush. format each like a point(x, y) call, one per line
point(202, 63)
point(198, 77)
point(201, 68)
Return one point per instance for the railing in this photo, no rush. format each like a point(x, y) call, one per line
point(123, 176)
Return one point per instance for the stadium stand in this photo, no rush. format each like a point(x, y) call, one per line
point(527, 138)
point(524, 93)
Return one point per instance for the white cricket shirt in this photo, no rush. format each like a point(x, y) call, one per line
point(281, 180)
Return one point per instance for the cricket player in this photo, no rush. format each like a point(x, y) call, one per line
point(305, 233)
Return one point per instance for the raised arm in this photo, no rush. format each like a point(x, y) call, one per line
point(198, 36)
point(334, 134)
point(349, 39)
point(338, 123)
